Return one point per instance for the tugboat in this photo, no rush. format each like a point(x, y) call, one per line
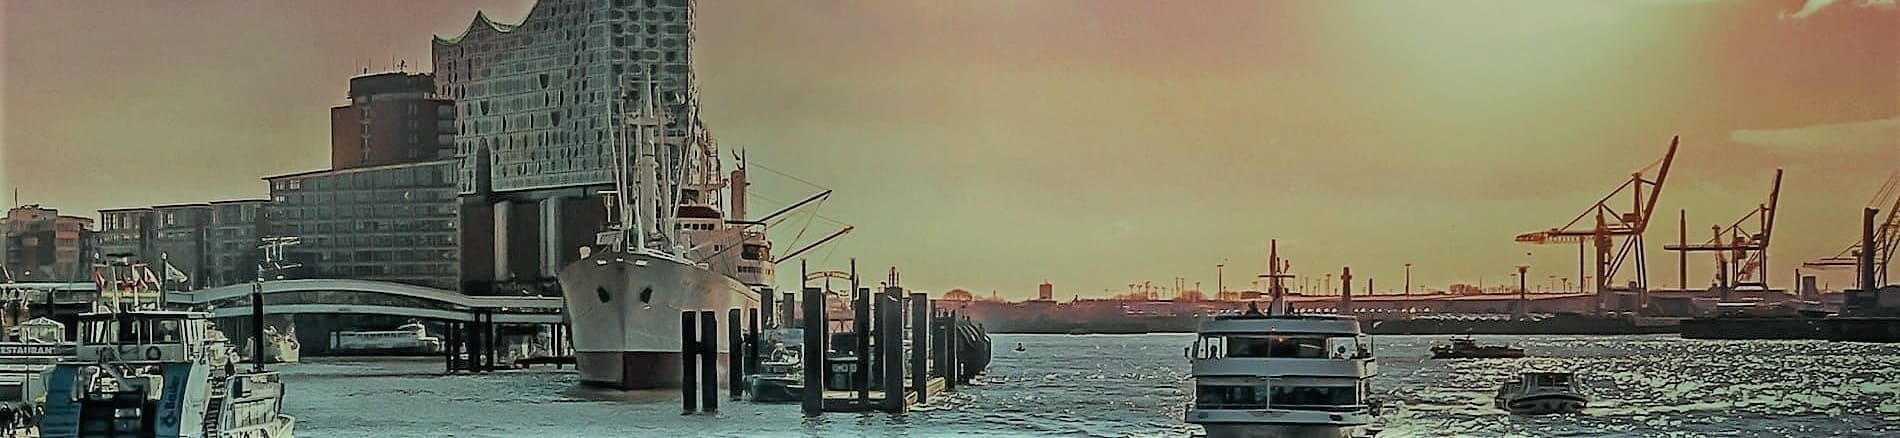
point(1539, 393)
point(1278, 374)
point(159, 374)
point(1467, 348)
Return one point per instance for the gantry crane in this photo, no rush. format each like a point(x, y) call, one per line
point(1741, 255)
point(1886, 236)
point(1610, 224)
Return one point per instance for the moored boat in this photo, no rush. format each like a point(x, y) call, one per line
point(159, 374)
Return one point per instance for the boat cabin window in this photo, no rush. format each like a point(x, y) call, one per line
point(752, 252)
point(1550, 380)
point(1308, 347)
point(1231, 396)
point(1314, 397)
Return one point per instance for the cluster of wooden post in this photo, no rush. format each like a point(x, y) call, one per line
point(879, 320)
point(699, 356)
point(477, 339)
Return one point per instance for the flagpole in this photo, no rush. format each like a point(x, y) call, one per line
point(164, 281)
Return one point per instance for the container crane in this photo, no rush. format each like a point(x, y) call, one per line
point(1612, 223)
point(1886, 236)
point(1741, 255)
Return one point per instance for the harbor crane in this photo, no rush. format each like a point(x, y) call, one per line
point(1886, 236)
point(1612, 223)
point(1741, 255)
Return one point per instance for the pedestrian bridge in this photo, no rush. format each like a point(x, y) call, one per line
point(362, 297)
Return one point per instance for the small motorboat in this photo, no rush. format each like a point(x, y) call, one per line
point(1467, 348)
point(1019, 347)
point(1539, 393)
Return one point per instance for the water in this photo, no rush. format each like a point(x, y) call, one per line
point(1117, 386)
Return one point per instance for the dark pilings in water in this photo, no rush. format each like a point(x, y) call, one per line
point(919, 345)
point(737, 359)
point(939, 345)
point(753, 347)
point(890, 320)
point(861, 329)
point(1867, 268)
point(814, 352)
point(709, 359)
point(766, 296)
point(257, 326)
point(788, 313)
point(689, 350)
point(954, 342)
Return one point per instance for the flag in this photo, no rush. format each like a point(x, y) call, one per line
point(147, 278)
point(99, 279)
point(173, 274)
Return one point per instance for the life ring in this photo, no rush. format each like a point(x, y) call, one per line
point(152, 353)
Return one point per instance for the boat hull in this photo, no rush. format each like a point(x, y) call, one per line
point(1543, 404)
point(625, 311)
point(1282, 431)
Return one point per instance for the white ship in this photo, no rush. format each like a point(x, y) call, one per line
point(1276, 374)
point(411, 338)
point(672, 249)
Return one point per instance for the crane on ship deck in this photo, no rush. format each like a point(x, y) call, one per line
point(1610, 224)
point(1741, 255)
point(1886, 236)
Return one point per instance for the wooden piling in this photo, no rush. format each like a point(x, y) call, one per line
point(891, 361)
point(709, 360)
point(736, 359)
point(955, 346)
point(919, 345)
point(753, 348)
point(814, 352)
point(689, 350)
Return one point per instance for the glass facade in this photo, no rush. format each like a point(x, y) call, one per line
point(537, 97)
point(393, 223)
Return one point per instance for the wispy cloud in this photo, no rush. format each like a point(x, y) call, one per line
point(1868, 135)
point(1813, 6)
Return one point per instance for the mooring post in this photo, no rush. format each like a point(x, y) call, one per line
point(788, 313)
point(919, 345)
point(689, 350)
point(950, 351)
point(766, 296)
point(813, 352)
point(753, 347)
point(891, 320)
point(736, 358)
point(938, 340)
point(448, 348)
point(709, 360)
point(493, 345)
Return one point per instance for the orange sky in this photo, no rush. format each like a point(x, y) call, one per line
point(996, 144)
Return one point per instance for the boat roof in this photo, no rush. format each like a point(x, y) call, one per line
point(1282, 324)
point(145, 314)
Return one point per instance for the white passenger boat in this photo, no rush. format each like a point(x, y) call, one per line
point(1276, 374)
point(411, 338)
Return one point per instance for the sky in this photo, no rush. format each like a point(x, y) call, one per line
point(992, 145)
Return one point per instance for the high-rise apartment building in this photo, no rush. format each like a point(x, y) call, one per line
point(391, 118)
point(42, 245)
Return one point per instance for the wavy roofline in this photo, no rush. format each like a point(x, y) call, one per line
point(481, 21)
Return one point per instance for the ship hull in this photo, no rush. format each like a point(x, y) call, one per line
point(625, 311)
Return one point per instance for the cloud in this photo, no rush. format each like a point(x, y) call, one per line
point(1866, 135)
point(1814, 6)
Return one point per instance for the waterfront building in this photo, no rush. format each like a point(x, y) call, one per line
point(41, 245)
point(535, 116)
point(125, 231)
point(391, 118)
point(178, 239)
point(232, 249)
point(395, 222)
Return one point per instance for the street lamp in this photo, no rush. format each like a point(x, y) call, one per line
point(1220, 278)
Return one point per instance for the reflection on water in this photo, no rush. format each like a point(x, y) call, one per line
point(1114, 386)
